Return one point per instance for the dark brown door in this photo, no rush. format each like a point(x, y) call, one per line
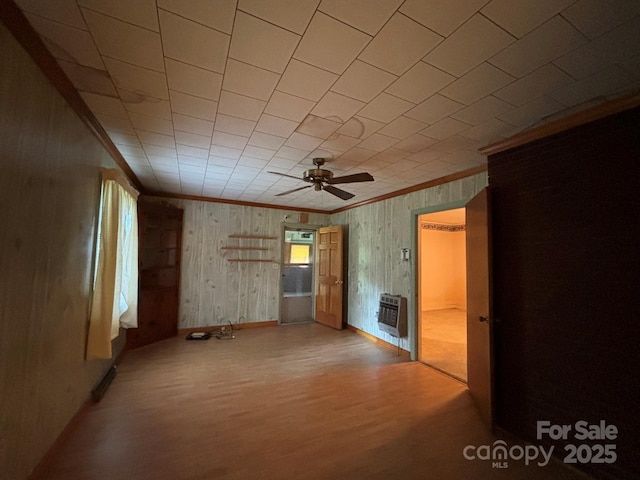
point(479, 339)
point(160, 235)
point(330, 282)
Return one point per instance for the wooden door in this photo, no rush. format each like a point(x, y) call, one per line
point(160, 243)
point(479, 323)
point(330, 282)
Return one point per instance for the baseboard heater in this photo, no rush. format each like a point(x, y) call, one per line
point(98, 392)
point(392, 315)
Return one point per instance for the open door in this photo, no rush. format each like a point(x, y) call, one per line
point(479, 320)
point(329, 285)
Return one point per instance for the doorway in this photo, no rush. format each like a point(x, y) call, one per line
point(442, 292)
point(297, 305)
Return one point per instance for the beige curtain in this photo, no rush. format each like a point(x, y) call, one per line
point(115, 294)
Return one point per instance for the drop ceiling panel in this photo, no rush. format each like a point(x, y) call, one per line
point(201, 96)
point(330, 45)
point(473, 43)
point(115, 38)
point(399, 45)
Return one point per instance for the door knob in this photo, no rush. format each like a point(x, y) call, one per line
point(484, 319)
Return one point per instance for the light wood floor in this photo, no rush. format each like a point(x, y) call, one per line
point(288, 402)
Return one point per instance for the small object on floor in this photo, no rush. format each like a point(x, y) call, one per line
point(199, 336)
point(225, 335)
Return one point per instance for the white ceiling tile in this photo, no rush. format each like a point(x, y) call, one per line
point(62, 11)
point(290, 153)
point(68, 43)
point(445, 128)
point(189, 48)
point(185, 123)
point(330, 44)
point(152, 138)
point(519, 17)
point(151, 124)
point(531, 112)
point(223, 165)
point(546, 43)
point(190, 151)
point(249, 80)
point(433, 109)
point(336, 107)
point(258, 152)
point(339, 143)
point(87, 79)
point(150, 106)
point(621, 43)
point(583, 62)
point(261, 44)
point(266, 140)
point(366, 15)
point(104, 105)
point(607, 82)
point(199, 82)
point(303, 142)
point(378, 142)
point(280, 127)
point(133, 152)
point(363, 81)
point(224, 152)
point(456, 143)
point(306, 81)
point(385, 107)
point(158, 151)
point(402, 127)
point(137, 79)
point(140, 12)
point(595, 17)
point(489, 131)
point(118, 124)
point(193, 106)
point(288, 106)
point(534, 85)
point(420, 82)
point(478, 83)
point(193, 140)
point(318, 127)
point(218, 15)
point(114, 39)
point(293, 15)
point(229, 140)
point(281, 163)
point(415, 143)
point(399, 45)
point(240, 106)
point(473, 43)
point(441, 16)
point(360, 127)
point(120, 138)
point(237, 126)
point(482, 110)
point(358, 155)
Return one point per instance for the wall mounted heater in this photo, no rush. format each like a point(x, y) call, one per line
point(392, 315)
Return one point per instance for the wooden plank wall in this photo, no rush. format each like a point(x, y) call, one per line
point(215, 291)
point(49, 195)
point(566, 276)
point(377, 232)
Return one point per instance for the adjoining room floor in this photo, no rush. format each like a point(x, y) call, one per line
point(301, 402)
point(444, 341)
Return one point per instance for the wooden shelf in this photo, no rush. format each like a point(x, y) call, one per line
point(251, 260)
point(244, 248)
point(249, 243)
point(257, 237)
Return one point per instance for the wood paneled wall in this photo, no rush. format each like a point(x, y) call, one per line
point(376, 233)
point(566, 276)
point(215, 291)
point(49, 194)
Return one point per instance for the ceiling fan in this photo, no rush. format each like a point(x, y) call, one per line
point(321, 179)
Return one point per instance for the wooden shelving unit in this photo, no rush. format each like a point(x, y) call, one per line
point(247, 243)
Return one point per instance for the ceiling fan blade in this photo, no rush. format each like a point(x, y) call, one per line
point(291, 191)
point(356, 177)
point(285, 175)
point(337, 192)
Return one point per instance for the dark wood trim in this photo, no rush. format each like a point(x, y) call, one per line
point(218, 328)
point(22, 30)
point(415, 188)
point(179, 196)
point(382, 343)
point(580, 118)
